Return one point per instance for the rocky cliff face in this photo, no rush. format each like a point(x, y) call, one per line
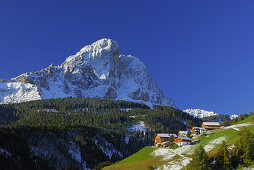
point(97, 70)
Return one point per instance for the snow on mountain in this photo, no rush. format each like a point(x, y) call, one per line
point(233, 117)
point(74, 150)
point(140, 126)
point(199, 113)
point(97, 70)
point(203, 113)
point(107, 148)
point(6, 154)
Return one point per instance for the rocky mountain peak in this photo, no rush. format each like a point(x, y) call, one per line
point(200, 113)
point(97, 70)
point(203, 113)
point(99, 56)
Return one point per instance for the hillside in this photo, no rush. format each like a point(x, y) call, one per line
point(59, 133)
point(163, 158)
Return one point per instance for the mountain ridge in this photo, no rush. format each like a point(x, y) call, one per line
point(199, 113)
point(97, 70)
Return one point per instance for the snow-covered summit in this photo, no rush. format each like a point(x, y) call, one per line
point(100, 56)
point(233, 117)
point(97, 70)
point(200, 113)
point(203, 113)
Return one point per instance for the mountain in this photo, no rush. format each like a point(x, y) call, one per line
point(200, 113)
point(96, 71)
point(233, 117)
point(203, 113)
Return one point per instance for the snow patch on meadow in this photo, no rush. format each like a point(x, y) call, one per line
point(177, 164)
point(213, 143)
point(237, 126)
point(169, 154)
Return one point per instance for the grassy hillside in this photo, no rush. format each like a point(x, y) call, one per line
point(144, 159)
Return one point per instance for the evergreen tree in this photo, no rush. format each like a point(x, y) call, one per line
point(248, 147)
point(171, 138)
point(237, 153)
point(199, 160)
point(222, 158)
point(243, 152)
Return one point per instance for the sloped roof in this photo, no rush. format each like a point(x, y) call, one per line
point(165, 135)
point(174, 135)
point(185, 138)
point(211, 123)
point(199, 128)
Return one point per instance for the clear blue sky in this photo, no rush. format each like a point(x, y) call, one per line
point(199, 52)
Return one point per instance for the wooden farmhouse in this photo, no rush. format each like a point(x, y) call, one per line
point(162, 137)
point(198, 131)
point(180, 141)
point(210, 125)
point(183, 133)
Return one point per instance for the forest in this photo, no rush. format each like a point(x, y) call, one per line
point(41, 134)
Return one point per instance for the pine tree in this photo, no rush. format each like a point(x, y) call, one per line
point(243, 152)
point(237, 154)
point(222, 158)
point(199, 160)
point(248, 147)
point(171, 138)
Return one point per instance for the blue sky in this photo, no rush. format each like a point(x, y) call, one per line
point(200, 53)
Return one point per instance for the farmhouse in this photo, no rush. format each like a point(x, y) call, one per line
point(183, 133)
point(180, 141)
point(210, 125)
point(198, 131)
point(162, 137)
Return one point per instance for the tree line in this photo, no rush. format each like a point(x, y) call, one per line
point(53, 123)
point(241, 155)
